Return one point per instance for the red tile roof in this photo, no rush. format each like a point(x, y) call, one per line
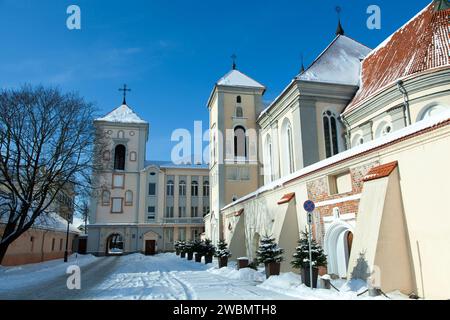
point(287, 198)
point(382, 171)
point(422, 44)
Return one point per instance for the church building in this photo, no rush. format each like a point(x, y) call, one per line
point(363, 133)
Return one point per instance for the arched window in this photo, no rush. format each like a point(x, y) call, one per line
point(119, 157)
point(240, 143)
point(206, 189)
point(238, 99)
point(357, 140)
point(290, 147)
point(170, 188)
point(330, 134)
point(182, 188)
point(239, 113)
point(432, 110)
point(106, 196)
point(383, 129)
point(120, 134)
point(194, 188)
point(269, 159)
point(129, 198)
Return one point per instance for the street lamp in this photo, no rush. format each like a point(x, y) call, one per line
point(69, 221)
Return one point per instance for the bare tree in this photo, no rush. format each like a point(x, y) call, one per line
point(46, 142)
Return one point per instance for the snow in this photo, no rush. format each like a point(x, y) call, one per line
point(235, 78)
point(241, 274)
point(17, 277)
point(291, 285)
point(172, 165)
point(358, 150)
point(122, 114)
point(339, 63)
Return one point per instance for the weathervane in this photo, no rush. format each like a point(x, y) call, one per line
point(234, 57)
point(124, 89)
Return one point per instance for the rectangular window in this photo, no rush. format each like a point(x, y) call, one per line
point(169, 212)
point(118, 181)
point(182, 212)
point(205, 210)
point(170, 189)
point(152, 189)
point(168, 235)
point(340, 183)
point(194, 212)
point(151, 213)
point(133, 156)
point(182, 234)
point(238, 174)
point(60, 244)
point(53, 244)
point(117, 205)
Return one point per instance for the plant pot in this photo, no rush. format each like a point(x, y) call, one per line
point(208, 259)
point(223, 262)
point(272, 269)
point(242, 263)
point(183, 254)
point(306, 278)
point(190, 255)
point(198, 257)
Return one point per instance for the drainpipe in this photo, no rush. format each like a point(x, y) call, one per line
point(401, 88)
point(348, 130)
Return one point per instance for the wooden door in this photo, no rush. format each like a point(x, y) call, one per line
point(82, 244)
point(150, 246)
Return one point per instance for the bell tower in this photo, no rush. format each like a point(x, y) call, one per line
point(234, 106)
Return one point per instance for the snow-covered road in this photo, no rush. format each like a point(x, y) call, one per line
point(135, 276)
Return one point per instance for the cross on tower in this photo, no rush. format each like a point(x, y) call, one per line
point(124, 89)
point(234, 57)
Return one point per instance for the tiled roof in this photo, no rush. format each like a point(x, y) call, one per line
point(287, 198)
point(420, 45)
point(382, 171)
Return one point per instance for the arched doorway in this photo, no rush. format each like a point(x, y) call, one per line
point(114, 244)
point(338, 244)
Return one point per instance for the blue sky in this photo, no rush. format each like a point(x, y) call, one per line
point(172, 52)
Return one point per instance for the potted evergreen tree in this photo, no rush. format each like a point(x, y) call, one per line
point(223, 253)
point(189, 250)
point(182, 248)
point(198, 250)
point(209, 251)
point(176, 245)
point(301, 259)
point(270, 254)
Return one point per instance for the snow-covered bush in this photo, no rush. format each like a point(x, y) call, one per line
point(222, 250)
point(301, 255)
point(269, 251)
point(189, 247)
point(181, 245)
point(198, 247)
point(208, 248)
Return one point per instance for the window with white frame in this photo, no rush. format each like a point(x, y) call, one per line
point(117, 205)
point(106, 198)
point(118, 181)
point(170, 187)
point(206, 188)
point(151, 213)
point(129, 198)
point(182, 188)
point(194, 188)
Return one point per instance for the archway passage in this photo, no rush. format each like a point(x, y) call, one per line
point(114, 244)
point(338, 245)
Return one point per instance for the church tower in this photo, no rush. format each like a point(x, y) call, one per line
point(121, 143)
point(234, 105)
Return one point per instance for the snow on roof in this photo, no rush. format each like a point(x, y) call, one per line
point(235, 78)
point(49, 221)
point(339, 63)
point(420, 45)
point(171, 165)
point(122, 114)
point(412, 130)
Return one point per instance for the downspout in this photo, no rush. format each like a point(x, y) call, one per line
point(348, 130)
point(406, 109)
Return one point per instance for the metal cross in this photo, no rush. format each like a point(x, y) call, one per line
point(124, 89)
point(234, 57)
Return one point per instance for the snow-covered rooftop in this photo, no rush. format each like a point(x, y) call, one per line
point(420, 45)
point(399, 135)
point(171, 165)
point(122, 114)
point(339, 63)
point(49, 221)
point(235, 78)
